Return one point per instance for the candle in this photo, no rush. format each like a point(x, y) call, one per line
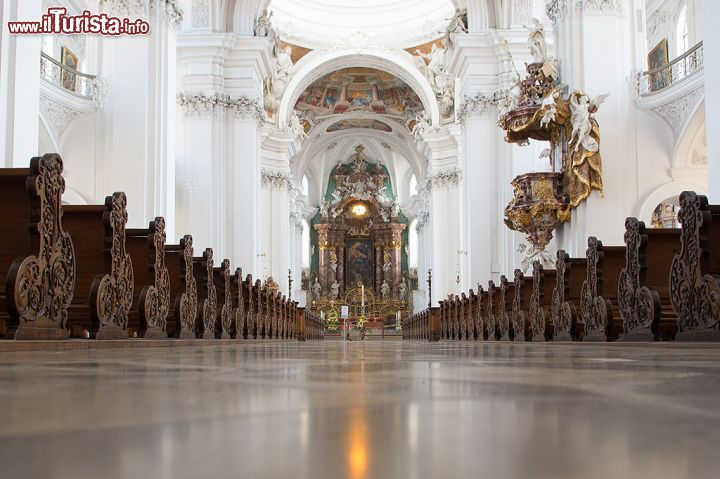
point(362, 289)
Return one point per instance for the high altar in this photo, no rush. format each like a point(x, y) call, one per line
point(359, 235)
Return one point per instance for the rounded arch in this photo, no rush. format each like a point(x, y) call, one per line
point(687, 141)
point(668, 190)
point(316, 64)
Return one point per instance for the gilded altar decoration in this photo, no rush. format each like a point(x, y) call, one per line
point(189, 297)
point(536, 108)
point(112, 294)
point(155, 298)
point(40, 288)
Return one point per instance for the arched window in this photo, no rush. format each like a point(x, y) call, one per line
point(413, 245)
point(413, 186)
point(681, 34)
point(305, 241)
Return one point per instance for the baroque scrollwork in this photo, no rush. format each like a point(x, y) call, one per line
point(155, 300)
point(561, 314)
point(695, 296)
point(169, 11)
point(42, 286)
point(518, 314)
point(226, 312)
point(240, 316)
point(275, 179)
point(537, 313)
point(211, 103)
point(637, 303)
point(189, 298)
point(210, 302)
point(593, 307)
point(503, 316)
point(113, 293)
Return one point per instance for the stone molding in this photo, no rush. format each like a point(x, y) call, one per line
point(203, 105)
point(557, 10)
point(168, 11)
point(448, 177)
point(275, 179)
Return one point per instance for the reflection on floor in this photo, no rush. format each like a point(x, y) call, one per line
point(362, 410)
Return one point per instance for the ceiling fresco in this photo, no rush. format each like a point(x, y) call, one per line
point(359, 123)
point(359, 89)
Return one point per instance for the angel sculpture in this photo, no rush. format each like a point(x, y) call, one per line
point(324, 208)
point(536, 42)
point(335, 289)
point(551, 112)
point(581, 110)
point(434, 70)
point(457, 22)
point(296, 127)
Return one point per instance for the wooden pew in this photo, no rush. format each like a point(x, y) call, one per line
point(695, 270)
point(37, 256)
point(472, 317)
point(493, 300)
point(520, 307)
point(544, 281)
point(186, 301)
point(443, 320)
point(481, 318)
point(104, 282)
point(463, 310)
point(566, 317)
point(225, 309)
point(643, 289)
point(151, 300)
point(455, 316)
point(507, 293)
point(207, 295)
point(250, 307)
point(259, 310)
point(238, 330)
point(599, 300)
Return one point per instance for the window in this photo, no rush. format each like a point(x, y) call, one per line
point(413, 245)
point(413, 185)
point(681, 35)
point(305, 242)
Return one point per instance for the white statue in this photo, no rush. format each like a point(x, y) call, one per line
point(324, 208)
point(551, 112)
point(457, 22)
point(395, 208)
point(387, 262)
point(532, 254)
point(536, 42)
point(581, 110)
point(385, 289)
point(279, 80)
point(312, 250)
point(316, 289)
point(336, 196)
point(296, 127)
point(263, 27)
point(434, 70)
point(422, 126)
point(403, 290)
point(335, 289)
point(333, 261)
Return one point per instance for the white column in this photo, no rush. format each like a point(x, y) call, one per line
point(19, 84)
point(595, 48)
point(711, 45)
point(137, 123)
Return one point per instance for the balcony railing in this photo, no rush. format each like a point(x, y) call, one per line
point(80, 84)
point(677, 70)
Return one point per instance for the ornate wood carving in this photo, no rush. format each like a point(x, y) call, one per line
point(503, 318)
point(479, 323)
point(639, 305)
point(240, 315)
point(518, 314)
point(259, 310)
point(456, 317)
point(155, 298)
point(189, 298)
point(595, 310)
point(209, 309)
point(40, 288)
point(563, 313)
point(537, 313)
point(227, 311)
point(251, 314)
point(694, 289)
point(490, 316)
point(112, 294)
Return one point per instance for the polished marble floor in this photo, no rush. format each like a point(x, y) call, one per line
point(362, 410)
